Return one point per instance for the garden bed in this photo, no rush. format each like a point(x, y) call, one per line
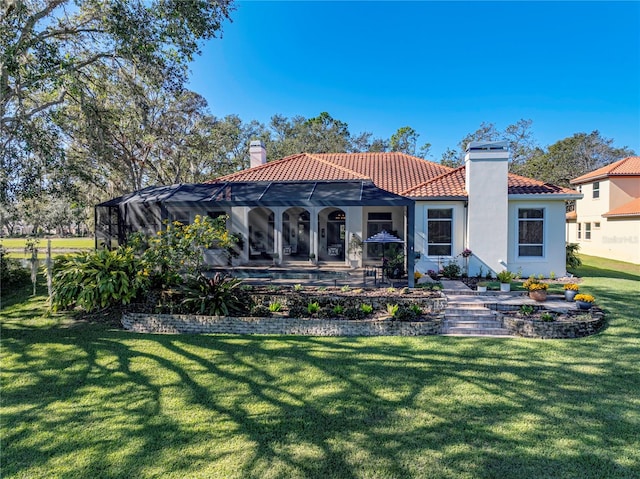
point(544, 324)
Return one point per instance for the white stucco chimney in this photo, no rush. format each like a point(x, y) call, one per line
point(257, 153)
point(486, 181)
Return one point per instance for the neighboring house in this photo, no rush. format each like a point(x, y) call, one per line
point(606, 221)
point(314, 204)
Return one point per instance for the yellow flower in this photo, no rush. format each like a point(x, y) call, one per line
point(587, 298)
point(571, 287)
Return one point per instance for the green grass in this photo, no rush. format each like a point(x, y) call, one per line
point(58, 246)
point(86, 400)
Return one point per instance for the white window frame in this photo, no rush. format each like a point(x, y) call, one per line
point(579, 230)
point(543, 245)
point(587, 231)
point(426, 226)
point(595, 192)
point(596, 225)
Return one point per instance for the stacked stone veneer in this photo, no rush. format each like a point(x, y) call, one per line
point(180, 324)
point(569, 329)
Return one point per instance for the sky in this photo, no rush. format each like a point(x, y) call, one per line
point(441, 68)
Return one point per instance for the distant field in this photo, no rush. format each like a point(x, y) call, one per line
point(58, 245)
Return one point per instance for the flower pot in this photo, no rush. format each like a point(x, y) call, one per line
point(540, 295)
point(583, 305)
point(569, 294)
point(505, 287)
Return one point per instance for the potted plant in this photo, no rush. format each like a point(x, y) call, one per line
point(537, 290)
point(275, 257)
point(570, 291)
point(312, 258)
point(505, 278)
point(584, 301)
point(355, 250)
point(482, 287)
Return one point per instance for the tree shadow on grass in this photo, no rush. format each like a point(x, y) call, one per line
point(114, 404)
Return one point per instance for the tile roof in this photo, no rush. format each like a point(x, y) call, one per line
point(629, 166)
point(452, 185)
point(394, 172)
point(629, 209)
point(397, 173)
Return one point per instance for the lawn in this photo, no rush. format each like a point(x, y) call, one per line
point(89, 400)
point(58, 245)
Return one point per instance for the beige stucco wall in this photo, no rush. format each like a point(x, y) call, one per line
point(553, 259)
point(616, 238)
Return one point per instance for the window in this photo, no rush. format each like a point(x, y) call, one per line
point(596, 226)
point(587, 231)
point(579, 230)
point(596, 189)
point(530, 232)
point(439, 228)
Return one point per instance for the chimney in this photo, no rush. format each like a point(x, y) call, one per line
point(486, 182)
point(257, 153)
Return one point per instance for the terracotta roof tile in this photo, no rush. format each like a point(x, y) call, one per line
point(394, 172)
point(452, 184)
point(629, 209)
point(629, 166)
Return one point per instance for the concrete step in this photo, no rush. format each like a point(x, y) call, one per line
point(469, 312)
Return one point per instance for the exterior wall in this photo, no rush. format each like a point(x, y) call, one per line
point(616, 238)
point(554, 255)
point(487, 216)
point(622, 190)
point(435, 263)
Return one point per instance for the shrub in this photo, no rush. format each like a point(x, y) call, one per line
point(297, 287)
point(572, 259)
point(346, 288)
point(313, 308)
point(547, 317)
point(367, 309)
point(338, 309)
point(11, 272)
point(505, 276)
point(451, 270)
point(275, 307)
point(216, 296)
point(404, 313)
point(97, 279)
point(392, 309)
point(526, 310)
point(298, 312)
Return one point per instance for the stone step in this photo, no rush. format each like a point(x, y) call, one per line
point(468, 312)
point(472, 323)
point(461, 331)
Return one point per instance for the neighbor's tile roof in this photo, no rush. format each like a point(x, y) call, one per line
point(394, 172)
point(629, 209)
point(629, 166)
point(452, 185)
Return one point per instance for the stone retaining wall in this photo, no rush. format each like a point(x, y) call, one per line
point(555, 329)
point(179, 324)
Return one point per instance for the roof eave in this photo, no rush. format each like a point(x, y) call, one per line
point(546, 196)
point(439, 198)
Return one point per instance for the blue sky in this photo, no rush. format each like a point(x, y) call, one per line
point(440, 67)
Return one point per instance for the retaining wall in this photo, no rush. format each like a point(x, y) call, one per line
point(555, 329)
point(180, 324)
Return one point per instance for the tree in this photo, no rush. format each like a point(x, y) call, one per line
point(451, 158)
point(50, 51)
point(405, 140)
point(572, 157)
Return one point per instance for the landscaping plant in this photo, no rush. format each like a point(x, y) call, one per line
point(216, 296)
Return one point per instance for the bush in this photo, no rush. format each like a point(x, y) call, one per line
point(451, 270)
point(260, 311)
point(11, 272)
point(572, 259)
point(97, 279)
point(216, 296)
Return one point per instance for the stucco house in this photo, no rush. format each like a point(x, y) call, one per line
point(315, 204)
point(606, 221)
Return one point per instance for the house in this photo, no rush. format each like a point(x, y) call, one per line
point(315, 204)
point(606, 221)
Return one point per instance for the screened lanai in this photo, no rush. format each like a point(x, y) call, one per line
point(283, 220)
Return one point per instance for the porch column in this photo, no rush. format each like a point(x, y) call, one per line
point(313, 231)
point(410, 222)
point(277, 233)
